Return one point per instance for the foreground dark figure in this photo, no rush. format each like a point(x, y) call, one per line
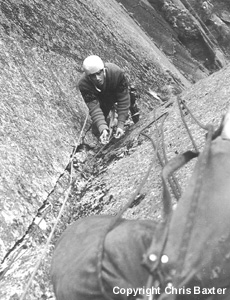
point(196, 238)
point(75, 261)
point(191, 249)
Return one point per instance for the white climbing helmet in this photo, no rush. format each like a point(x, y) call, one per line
point(92, 64)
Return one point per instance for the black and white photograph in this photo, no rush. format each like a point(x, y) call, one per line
point(114, 149)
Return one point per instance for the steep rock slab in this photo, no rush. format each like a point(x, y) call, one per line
point(42, 48)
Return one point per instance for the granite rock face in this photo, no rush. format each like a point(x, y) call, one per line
point(43, 44)
point(42, 47)
point(194, 35)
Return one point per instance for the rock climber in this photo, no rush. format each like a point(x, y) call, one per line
point(103, 85)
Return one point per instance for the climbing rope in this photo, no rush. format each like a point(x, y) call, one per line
point(174, 184)
point(185, 124)
point(193, 204)
point(201, 125)
point(67, 193)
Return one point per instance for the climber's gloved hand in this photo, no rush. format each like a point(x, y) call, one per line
point(119, 133)
point(104, 137)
